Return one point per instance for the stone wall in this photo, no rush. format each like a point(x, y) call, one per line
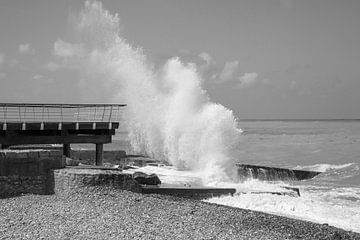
point(28, 171)
point(70, 179)
point(88, 156)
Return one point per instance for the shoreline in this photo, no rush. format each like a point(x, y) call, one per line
point(107, 213)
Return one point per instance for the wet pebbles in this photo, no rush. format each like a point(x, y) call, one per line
point(105, 213)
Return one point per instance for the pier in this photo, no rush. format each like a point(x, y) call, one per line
point(66, 124)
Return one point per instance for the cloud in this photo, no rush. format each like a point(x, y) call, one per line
point(38, 77)
point(206, 57)
point(207, 66)
point(25, 49)
point(248, 79)
point(52, 66)
point(229, 71)
point(67, 50)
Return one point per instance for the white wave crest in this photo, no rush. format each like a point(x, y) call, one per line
point(323, 167)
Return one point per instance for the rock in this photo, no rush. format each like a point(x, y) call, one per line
point(145, 179)
point(129, 167)
point(72, 162)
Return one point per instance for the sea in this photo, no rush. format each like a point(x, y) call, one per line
point(328, 146)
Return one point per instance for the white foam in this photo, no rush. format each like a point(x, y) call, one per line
point(323, 167)
point(338, 207)
point(310, 206)
point(170, 175)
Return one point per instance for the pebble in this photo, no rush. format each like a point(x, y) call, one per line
point(106, 213)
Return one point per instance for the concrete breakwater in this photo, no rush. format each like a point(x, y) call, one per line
point(72, 179)
point(246, 171)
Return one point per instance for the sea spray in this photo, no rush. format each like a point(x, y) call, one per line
point(169, 115)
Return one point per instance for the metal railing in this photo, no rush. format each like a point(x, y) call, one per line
point(30, 112)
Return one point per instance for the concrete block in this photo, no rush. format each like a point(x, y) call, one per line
point(11, 155)
point(44, 154)
point(33, 154)
point(55, 153)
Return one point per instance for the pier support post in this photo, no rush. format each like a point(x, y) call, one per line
point(3, 146)
point(66, 149)
point(99, 154)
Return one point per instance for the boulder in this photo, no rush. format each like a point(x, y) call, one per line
point(146, 179)
point(71, 162)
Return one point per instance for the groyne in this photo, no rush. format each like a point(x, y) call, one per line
point(246, 171)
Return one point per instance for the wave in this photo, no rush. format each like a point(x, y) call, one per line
point(169, 115)
point(315, 207)
point(323, 167)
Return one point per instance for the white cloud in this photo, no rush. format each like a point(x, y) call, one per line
point(207, 66)
point(206, 57)
point(248, 79)
point(67, 50)
point(51, 66)
point(25, 49)
point(229, 70)
point(38, 77)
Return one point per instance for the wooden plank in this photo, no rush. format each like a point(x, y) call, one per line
point(55, 125)
point(13, 126)
point(18, 139)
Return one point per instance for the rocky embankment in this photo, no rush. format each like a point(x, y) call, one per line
point(106, 213)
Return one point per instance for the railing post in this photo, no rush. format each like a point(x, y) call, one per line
point(111, 109)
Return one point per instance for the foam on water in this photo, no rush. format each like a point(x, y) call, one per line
point(338, 207)
point(319, 207)
point(323, 167)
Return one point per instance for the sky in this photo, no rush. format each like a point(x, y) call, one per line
point(264, 59)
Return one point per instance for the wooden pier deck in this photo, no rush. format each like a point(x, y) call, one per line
point(24, 123)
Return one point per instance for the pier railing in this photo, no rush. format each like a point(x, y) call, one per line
point(28, 112)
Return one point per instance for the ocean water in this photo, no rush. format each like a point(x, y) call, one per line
point(331, 147)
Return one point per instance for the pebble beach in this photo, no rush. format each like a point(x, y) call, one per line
point(108, 213)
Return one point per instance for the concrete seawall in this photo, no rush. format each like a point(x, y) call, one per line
point(28, 171)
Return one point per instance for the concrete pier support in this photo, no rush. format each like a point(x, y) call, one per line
point(3, 146)
point(99, 154)
point(66, 149)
